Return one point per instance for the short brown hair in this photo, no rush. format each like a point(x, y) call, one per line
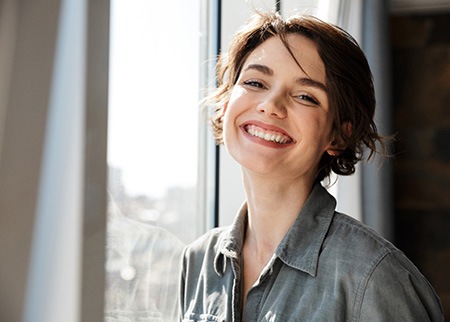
point(350, 87)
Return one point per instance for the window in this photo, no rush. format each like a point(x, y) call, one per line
point(152, 154)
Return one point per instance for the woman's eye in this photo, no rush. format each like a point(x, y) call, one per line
point(307, 98)
point(254, 83)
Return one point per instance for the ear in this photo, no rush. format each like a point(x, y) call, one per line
point(337, 146)
point(334, 151)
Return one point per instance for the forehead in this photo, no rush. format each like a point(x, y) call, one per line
point(273, 52)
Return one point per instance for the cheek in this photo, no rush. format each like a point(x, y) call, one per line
point(230, 114)
point(316, 129)
point(237, 97)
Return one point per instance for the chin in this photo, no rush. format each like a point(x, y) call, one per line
point(260, 168)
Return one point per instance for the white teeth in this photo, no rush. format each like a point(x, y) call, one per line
point(266, 136)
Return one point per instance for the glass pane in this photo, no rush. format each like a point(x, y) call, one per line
point(152, 154)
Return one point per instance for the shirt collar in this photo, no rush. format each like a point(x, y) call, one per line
point(230, 245)
point(300, 247)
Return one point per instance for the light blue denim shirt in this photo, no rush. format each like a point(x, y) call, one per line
point(328, 267)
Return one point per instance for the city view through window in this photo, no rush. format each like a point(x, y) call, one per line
point(152, 154)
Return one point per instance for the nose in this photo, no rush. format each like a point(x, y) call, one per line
point(274, 105)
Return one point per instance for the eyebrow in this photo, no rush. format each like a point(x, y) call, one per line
point(261, 68)
point(306, 81)
point(311, 83)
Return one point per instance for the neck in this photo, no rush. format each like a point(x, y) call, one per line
point(273, 206)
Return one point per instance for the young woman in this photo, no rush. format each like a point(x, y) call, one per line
point(295, 101)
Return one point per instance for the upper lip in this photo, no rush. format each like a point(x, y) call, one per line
point(269, 127)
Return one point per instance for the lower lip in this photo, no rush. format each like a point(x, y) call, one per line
point(263, 142)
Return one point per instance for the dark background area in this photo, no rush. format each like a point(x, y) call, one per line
point(420, 45)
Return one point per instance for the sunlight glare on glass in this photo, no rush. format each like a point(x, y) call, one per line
point(154, 94)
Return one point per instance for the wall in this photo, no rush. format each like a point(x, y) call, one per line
point(421, 100)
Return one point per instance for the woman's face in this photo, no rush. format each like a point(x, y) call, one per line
point(277, 121)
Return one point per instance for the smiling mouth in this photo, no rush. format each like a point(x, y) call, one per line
point(267, 135)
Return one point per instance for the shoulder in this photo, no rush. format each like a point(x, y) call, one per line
point(198, 265)
point(356, 239)
point(209, 240)
point(389, 285)
point(397, 289)
point(365, 250)
point(205, 248)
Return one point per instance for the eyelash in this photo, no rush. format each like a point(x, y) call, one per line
point(303, 97)
point(308, 98)
point(254, 83)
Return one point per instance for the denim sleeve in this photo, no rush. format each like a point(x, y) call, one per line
point(397, 291)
